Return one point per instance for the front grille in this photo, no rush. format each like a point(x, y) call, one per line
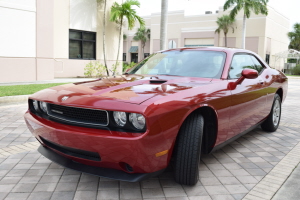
point(77, 116)
point(72, 152)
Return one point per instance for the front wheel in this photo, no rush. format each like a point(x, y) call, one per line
point(187, 150)
point(272, 122)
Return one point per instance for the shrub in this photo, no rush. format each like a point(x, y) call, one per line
point(296, 70)
point(94, 68)
point(291, 60)
point(99, 69)
point(89, 69)
point(128, 66)
point(115, 67)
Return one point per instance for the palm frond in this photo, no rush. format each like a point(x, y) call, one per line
point(125, 11)
point(229, 3)
point(133, 3)
point(224, 23)
point(234, 12)
point(257, 6)
point(247, 10)
point(142, 35)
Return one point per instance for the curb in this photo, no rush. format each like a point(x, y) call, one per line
point(10, 99)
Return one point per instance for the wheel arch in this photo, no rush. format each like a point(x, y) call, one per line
point(280, 93)
point(210, 127)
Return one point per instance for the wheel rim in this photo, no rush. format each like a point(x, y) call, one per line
point(276, 112)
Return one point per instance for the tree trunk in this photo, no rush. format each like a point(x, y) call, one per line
point(104, 29)
point(120, 33)
point(143, 48)
point(244, 32)
point(163, 24)
point(225, 35)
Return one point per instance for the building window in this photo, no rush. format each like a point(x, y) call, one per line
point(146, 55)
point(82, 45)
point(124, 56)
point(268, 58)
point(134, 57)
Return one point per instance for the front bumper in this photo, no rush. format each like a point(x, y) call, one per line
point(98, 171)
point(115, 148)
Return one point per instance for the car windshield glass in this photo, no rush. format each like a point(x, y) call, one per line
point(193, 63)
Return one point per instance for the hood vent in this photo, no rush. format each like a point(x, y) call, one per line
point(157, 81)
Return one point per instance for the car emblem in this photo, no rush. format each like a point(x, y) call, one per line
point(56, 111)
point(64, 98)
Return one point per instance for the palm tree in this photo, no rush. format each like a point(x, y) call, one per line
point(258, 6)
point(224, 24)
point(119, 12)
point(142, 35)
point(163, 24)
point(294, 36)
point(103, 33)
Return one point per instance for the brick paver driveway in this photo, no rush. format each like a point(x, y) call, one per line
point(229, 173)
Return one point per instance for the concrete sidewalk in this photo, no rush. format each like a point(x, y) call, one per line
point(290, 190)
point(56, 80)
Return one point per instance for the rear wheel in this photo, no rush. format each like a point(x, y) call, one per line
point(272, 122)
point(187, 150)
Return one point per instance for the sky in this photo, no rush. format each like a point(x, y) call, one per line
point(289, 8)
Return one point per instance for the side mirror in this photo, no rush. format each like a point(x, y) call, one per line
point(250, 73)
point(246, 73)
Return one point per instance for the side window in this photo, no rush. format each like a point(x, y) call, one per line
point(257, 65)
point(240, 62)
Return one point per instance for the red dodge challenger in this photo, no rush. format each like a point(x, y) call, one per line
point(167, 110)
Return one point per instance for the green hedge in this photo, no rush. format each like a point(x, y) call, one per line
point(296, 70)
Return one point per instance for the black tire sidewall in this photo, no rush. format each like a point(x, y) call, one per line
point(268, 124)
point(188, 149)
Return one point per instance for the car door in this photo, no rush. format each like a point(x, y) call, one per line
point(248, 98)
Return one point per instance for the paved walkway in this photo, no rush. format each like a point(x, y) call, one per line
point(239, 170)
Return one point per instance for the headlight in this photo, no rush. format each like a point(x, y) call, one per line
point(120, 118)
point(137, 120)
point(43, 106)
point(35, 105)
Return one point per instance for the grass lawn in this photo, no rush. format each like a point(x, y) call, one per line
point(12, 90)
point(293, 75)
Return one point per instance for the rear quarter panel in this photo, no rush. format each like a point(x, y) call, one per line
point(275, 80)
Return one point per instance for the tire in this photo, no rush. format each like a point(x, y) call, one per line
point(187, 150)
point(272, 122)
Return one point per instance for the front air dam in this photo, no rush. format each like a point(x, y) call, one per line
point(98, 171)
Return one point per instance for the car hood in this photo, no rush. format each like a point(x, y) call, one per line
point(129, 88)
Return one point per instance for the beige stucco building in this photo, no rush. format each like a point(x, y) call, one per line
point(41, 40)
point(265, 35)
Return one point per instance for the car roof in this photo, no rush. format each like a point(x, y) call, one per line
point(224, 49)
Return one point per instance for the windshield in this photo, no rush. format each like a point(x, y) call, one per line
point(205, 64)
